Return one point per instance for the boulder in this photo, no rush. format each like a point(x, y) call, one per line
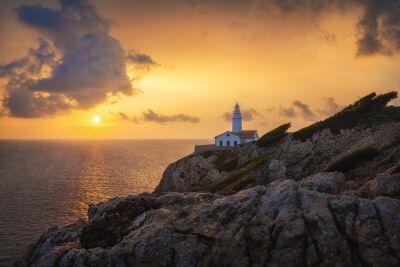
point(386, 185)
point(328, 182)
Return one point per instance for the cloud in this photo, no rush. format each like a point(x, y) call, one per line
point(139, 63)
point(330, 107)
point(324, 34)
point(125, 117)
point(139, 59)
point(77, 64)
point(300, 109)
point(21, 73)
point(305, 111)
point(152, 116)
point(227, 116)
point(247, 115)
point(378, 27)
point(287, 112)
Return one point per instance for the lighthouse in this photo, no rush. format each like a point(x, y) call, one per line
point(236, 119)
point(237, 136)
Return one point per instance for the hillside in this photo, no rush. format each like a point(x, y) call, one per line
point(326, 195)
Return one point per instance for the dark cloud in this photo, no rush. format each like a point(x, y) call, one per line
point(85, 65)
point(21, 73)
point(330, 107)
point(250, 114)
point(300, 109)
point(287, 112)
point(247, 115)
point(125, 117)
point(152, 116)
point(227, 116)
point(325, 35)
point(305, 112)
point(379, 25)
point(141, 63)
point(139, 59)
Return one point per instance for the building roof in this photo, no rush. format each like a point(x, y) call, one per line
point(247, 134)
point(243, 134)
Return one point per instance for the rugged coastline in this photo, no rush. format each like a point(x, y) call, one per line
point(326, 195)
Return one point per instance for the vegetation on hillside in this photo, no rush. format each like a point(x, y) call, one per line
point(354, 159)
point(238, 178)
point(226, 160)
point(273, 136)
point(368, 110)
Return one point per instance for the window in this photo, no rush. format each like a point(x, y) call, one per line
point(228, 143)
point(235, 143)
point(221, 143)
point(227, 134)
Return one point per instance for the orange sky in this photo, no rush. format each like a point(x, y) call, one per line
point(207, 58)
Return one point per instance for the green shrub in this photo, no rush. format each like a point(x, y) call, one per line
point(367, 107)
point(228, 165)
point(273, 136)
point(242, 182)
point(236, 175)
point(354, 159)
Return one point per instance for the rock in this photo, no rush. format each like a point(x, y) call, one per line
point(283, 224)
point(315, 137)
point(109, 221)
point(382, 185)
point(277, 170)
point(386, 185)
point(189, 173)
point(274, 165)
point(328, 182)
point(53, 244)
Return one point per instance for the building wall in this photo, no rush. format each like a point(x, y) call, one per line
point(224, 138)
point(199, 149)
point(249, 140)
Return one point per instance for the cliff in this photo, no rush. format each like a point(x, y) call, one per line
point(327, 195)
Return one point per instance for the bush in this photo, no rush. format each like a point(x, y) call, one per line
point(237, 175)
point(273, 136)
point(354, 159)
point(366, 108)
point(228, 165)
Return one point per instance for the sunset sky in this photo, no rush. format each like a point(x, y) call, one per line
point(172, 69)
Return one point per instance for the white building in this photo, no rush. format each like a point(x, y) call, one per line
point(237, 136)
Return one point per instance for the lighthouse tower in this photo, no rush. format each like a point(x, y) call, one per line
point(237, 119)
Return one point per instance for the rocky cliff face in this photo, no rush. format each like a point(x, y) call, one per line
point(250, 165)
point(313, 222)
point(331, 200)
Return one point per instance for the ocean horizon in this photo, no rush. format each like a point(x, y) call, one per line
point(47, 183)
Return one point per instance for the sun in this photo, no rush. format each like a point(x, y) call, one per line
point(96, 119)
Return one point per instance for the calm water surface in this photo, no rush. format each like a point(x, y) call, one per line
point(49, 183)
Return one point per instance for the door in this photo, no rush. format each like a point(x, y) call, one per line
point(228, 143)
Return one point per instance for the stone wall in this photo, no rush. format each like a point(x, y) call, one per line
point(198, 149)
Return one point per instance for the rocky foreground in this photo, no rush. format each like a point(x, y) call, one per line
point(330, 200)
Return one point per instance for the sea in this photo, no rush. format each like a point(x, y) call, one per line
point(51, 183)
